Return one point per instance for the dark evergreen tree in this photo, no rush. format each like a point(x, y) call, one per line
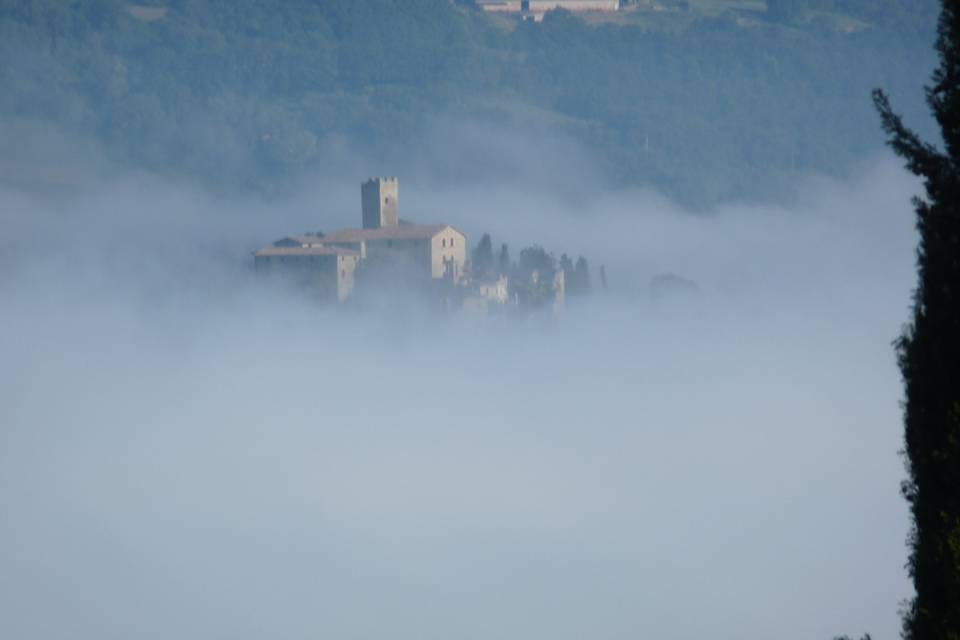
point(536, 259)
point(533, 277)
point(566, 265)
point(503, 260)
point(483, 257)
point(581, 276)
point(929, 351)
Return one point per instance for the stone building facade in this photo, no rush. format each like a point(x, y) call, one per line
point(327, 270)
point(328, 261)
point(380, 202)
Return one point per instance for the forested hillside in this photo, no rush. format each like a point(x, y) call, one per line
point(705, 100)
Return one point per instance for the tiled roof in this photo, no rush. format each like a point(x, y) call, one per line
point(401, 232)
point(325, 245)
point(305, 251)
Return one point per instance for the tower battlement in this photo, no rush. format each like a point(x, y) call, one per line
point(380, 202)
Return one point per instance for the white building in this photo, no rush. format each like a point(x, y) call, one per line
point(537, 8)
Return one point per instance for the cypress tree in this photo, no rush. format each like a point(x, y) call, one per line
point(929, 351)
point(503, 260)
point(483, 257)
point(582, 275)
point(566, 265)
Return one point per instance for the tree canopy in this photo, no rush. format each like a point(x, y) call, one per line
point(705, 106)
point(929, 350)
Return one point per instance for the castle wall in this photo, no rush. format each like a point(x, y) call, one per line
point(318, 273)
point(346, 265)
point(414, 252)
point(431, 255)
point(448, 249)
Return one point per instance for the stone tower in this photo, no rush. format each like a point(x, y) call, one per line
point(380, 198)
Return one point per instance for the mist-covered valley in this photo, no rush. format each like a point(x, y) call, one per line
point(706, 444)
point(187, 452)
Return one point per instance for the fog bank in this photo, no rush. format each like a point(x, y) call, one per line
point(186, 453)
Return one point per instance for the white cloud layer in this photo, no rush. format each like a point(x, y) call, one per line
point(186, 454)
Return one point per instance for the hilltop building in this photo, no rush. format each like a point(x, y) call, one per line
point(495, 290)
point(407, 259)
point(536, 9)
point(328, 262)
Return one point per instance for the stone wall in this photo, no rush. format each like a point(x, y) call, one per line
point(449, 250)
point(380, 202)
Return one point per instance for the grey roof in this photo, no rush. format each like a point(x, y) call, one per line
point(401, 232)
point(314, 250)
point(317, 244)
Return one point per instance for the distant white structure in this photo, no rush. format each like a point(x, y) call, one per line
point(495, 290)
point(537, 8)
point(559, 289)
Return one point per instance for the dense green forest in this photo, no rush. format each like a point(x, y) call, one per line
point(706, 100)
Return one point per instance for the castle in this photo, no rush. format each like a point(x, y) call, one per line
point(328, 262)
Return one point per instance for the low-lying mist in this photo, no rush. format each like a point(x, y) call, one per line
point(187, 453)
